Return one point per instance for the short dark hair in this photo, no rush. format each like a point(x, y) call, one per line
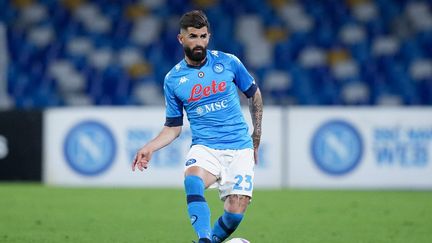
point(194, 18)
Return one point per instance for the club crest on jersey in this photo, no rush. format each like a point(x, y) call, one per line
point(218, 68)
point(201, 74)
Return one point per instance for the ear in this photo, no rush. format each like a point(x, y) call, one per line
point(180, 38)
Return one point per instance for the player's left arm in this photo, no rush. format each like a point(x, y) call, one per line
point(248, 86)
point(256, 111)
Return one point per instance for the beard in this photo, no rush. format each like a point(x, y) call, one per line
point(194, 55)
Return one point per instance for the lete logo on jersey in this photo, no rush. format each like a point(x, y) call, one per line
point(198, 91)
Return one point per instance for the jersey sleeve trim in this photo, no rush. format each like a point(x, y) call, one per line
point(174, 121)
point(251, 90)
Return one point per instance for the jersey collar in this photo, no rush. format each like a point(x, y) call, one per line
point(197, 67)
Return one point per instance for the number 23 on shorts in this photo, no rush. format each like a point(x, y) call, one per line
point(243, 183)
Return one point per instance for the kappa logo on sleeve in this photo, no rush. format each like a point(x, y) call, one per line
point(215, 53)
point(183, 80)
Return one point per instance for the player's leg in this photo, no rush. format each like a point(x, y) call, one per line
point(236, 189)
point(197, 179)
point(234, 209)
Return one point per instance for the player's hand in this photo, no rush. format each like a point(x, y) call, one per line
point(142, 159)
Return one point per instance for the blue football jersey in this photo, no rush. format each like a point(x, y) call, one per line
point(208, 94)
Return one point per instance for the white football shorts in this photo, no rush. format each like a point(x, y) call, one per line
point(234, 169)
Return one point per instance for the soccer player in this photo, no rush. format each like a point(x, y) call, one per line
point(223, 153)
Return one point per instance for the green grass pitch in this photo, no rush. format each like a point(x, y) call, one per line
point(36, 213)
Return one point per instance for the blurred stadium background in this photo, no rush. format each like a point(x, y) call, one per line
point(353, 52)
point(347, 86)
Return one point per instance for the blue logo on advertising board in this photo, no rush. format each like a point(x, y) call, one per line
point(336, 147)
point(89, 148)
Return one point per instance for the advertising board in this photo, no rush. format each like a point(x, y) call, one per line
point(360, 147)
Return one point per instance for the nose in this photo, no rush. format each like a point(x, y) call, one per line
point(200, 42)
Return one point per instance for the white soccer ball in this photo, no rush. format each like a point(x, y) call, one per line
point(238, 240)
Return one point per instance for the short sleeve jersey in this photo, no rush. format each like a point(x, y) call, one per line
point(209, 96)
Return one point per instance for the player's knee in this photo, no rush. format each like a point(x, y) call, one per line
point(237, 203)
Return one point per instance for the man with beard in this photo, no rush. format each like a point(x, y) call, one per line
point(223, 153)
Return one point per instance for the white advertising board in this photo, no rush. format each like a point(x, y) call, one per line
point(360, 148)
point(95, 147)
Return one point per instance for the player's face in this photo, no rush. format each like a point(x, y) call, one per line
point(195, 42)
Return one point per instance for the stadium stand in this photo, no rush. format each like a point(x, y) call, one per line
point(310, 52)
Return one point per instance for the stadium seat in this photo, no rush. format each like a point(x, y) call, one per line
point(302, 52)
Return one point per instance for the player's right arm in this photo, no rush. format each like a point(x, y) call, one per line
point(171, 130)
point(165, 137)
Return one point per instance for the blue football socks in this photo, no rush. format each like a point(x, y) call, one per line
point(198, 209)
point(225, 226)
